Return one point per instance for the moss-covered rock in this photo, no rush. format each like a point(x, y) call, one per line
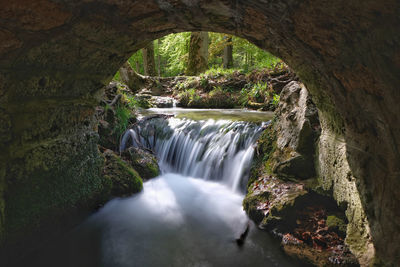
point(143, 161)
point(125, 180)
point(53, 197)
point(335, 223)
point(114, 115)
point(269, 200)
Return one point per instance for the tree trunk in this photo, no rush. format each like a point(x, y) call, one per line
point(148, 60)
point(159, 57)
point(137, 66)
point(129, 77)
point(228, 53)
point(198, 53)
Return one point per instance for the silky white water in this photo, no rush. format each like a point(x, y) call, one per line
point(178, 221)
point(188, 216)
point(213, 150)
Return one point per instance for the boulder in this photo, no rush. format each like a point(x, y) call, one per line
point(124, 179)
point(297, 129)
point(143, 161)
point(162, 101)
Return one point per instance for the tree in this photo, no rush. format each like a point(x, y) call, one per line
point(198, 53)
point(228, 53)
point(148, 60)
point(159, 57)
point(131, 78)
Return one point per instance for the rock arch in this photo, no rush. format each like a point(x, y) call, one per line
point(56, 55)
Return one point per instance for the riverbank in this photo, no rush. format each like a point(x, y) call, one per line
point(257, 90)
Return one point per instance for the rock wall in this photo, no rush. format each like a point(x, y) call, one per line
point(291, 196)
point(335, 175)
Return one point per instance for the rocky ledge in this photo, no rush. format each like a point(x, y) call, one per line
point(124, 171)
point(284, 197)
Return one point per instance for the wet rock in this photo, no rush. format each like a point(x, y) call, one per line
point(143, 100)
point(162, 102)
point(124, 179)
point(143, 161)
point(269, 198)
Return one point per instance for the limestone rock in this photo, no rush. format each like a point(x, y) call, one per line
point(162, 102)
point(269, 199)
point(297, 129)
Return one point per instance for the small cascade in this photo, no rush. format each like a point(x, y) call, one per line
point(213, 150)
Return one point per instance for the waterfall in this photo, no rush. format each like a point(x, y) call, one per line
point(209, 149)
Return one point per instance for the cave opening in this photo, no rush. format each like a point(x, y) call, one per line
point(57, 55)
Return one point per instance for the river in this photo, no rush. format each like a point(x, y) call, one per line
point(192, 213)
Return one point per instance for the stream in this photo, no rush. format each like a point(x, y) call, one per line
point(192, 213)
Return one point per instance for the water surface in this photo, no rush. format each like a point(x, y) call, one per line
point(216, 114)
point(188, 216)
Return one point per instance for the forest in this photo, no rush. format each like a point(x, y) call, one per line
point(203, 70)
point(193, 53)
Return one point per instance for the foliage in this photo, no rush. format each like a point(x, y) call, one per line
point(173, 51)
point(123, 114)
point(275, 100)
point(259, 92)
point(117, 77)
point(218, 72)
point(189, 97)
point(248, 57)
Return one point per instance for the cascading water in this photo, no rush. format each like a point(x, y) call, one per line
point(178, 219)
point(212, 150)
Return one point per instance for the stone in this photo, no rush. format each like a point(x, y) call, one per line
point(269, 198)
point(143, 161)
point(296, 129)
point(336, 223)
point(124, 179)
point(162, 101)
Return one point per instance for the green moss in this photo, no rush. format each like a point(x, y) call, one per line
point(153, 169)
point(250, 203)
point(50, 197)
point(266, 146)
point(144, 162)
point(336, 223)
point(125, 180)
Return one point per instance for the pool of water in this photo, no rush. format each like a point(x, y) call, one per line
point(187, 219)
point(175, 221)
point(216, 114)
